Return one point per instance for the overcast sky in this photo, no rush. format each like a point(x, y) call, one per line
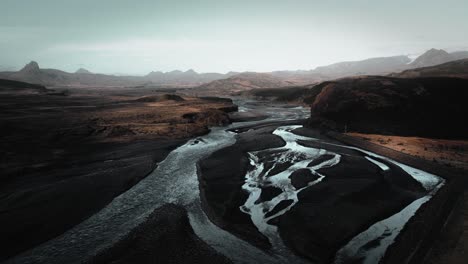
point(139, 36)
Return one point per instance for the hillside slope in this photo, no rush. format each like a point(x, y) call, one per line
point(15, 87)
point(457, 68)
point(433, 107)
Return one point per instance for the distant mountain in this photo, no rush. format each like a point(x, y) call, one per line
point(373, 66)
point(233, 82)
point(31, 67)
point(32, 73)
point(458, 68)
point(242, 82)
point(189, 77)
point(459, 55)
point(430, 58)
point(51, 77)
point(83, 71)
point(435, 57)
point(386, 65)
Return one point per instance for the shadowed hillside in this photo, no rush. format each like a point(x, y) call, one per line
point(433, 107)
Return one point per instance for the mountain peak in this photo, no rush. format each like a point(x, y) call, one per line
point(82, 70)
point(435, 52)
point(432, 57)
point(31, 67)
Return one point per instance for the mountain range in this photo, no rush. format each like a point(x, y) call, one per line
point(375, 66)
point(234, 81)
point(32, 73)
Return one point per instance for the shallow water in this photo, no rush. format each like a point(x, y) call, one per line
point(380, 235)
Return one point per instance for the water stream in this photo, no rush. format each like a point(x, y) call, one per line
point(175, 181)
point(298, 157)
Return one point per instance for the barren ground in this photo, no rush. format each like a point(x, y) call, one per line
point(452, 153)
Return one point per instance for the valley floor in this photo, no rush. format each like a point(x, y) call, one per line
point(64, 156)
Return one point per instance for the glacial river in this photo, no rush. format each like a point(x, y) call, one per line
point(175, 181)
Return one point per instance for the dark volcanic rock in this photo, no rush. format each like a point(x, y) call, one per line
point(221, 179)
point(352, 196)
point(268, 193)
point(320, 159)
point(280, 206)
point(165, 237)
point(301, 178)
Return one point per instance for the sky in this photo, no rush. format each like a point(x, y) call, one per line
point(139, 36)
